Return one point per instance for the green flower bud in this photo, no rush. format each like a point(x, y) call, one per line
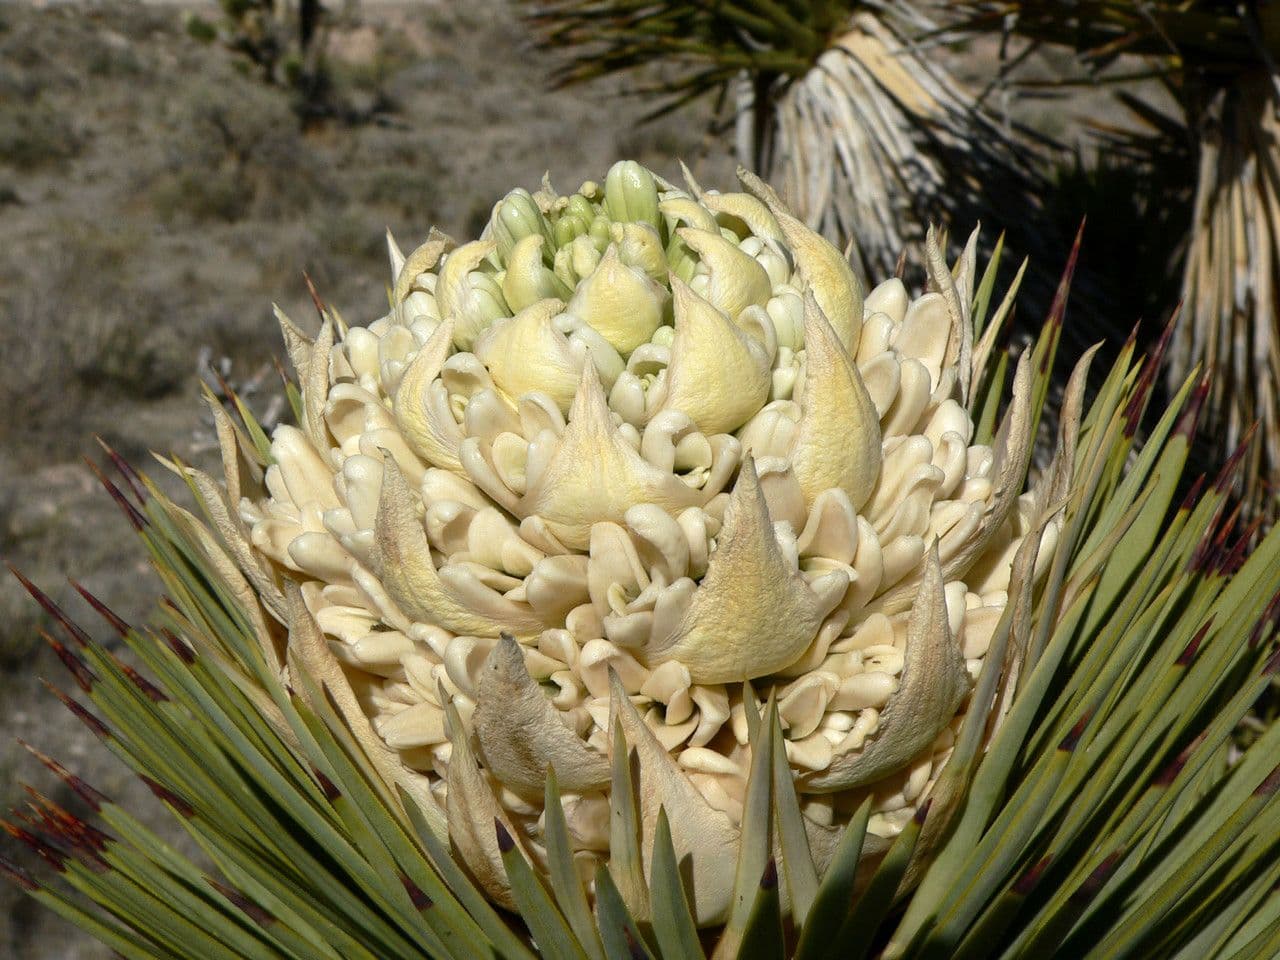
point(582, 208)
point(515, 218)
point(631, 194)
point(601, 232)
point(567, 228)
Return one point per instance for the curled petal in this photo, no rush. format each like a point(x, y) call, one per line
point(931, 687)
point(881, 375)
point(640, 246)
point(344, 411)
point(303, 476)
point(689, 212)
point(802, 703)
point(925, 332)
point(736, 280)
point(837, 442)
point(431, 432)
point(1012, 456)
point(557, 585)
point(831, 531)
point(912, 399)
point(753, 214)
point(521, 733)
point(620, 303)
point(593, 474)
point(699, 832)
point(820, 265)
point(457, 295)
point(527, 280)
point(421, 725)
point(423, 259)
point(753, 613)
point(663, 542)
point(890, 298)
point(528, 353)
point(719, 376)
point(453, 601)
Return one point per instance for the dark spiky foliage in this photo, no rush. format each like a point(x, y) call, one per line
point(1094, 805)
point(1218, 61)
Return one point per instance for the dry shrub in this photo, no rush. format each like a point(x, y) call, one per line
point(35, 135)
point(81, 327)
point(234, 151)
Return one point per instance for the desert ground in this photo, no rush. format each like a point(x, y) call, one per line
point(155, 199)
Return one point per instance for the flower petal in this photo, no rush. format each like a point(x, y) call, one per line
point(620, 303)
point(819, 264)
point(471, 809)
point(753, 613)
point(718, 376)
point(527, 353)
point(594, 474)
point(431, 434)
point(521, 733)
point(736, 280)
point(700, 833)
point(932, 685)
point(403, 560)
point(837, 442)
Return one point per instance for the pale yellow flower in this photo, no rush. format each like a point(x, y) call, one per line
point(630, 451)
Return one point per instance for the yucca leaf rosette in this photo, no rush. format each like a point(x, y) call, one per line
point(360, 705)
point(636, 457)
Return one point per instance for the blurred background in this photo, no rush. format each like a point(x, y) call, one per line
point(168, 170)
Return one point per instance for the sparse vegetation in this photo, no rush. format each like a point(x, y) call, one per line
point(35, 135)
point(233, 153)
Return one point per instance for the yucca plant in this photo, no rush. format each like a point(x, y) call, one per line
point(865, 131)
point(1218, 60)
point(639, 586)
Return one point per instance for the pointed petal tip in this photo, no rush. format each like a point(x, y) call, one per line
point(258, 914)
point(17, 875)
point(922, 811)
point(417, 896)
point(180, 647)
point(1026, 884)
point(1189, 652)
point(1072, 739)
point(72, 629)
point(769, 879)
point(125, 469)
point(1189, 420)
point(165, 795)
point(319, 304)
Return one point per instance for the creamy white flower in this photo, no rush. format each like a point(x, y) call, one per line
point(630, 450)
